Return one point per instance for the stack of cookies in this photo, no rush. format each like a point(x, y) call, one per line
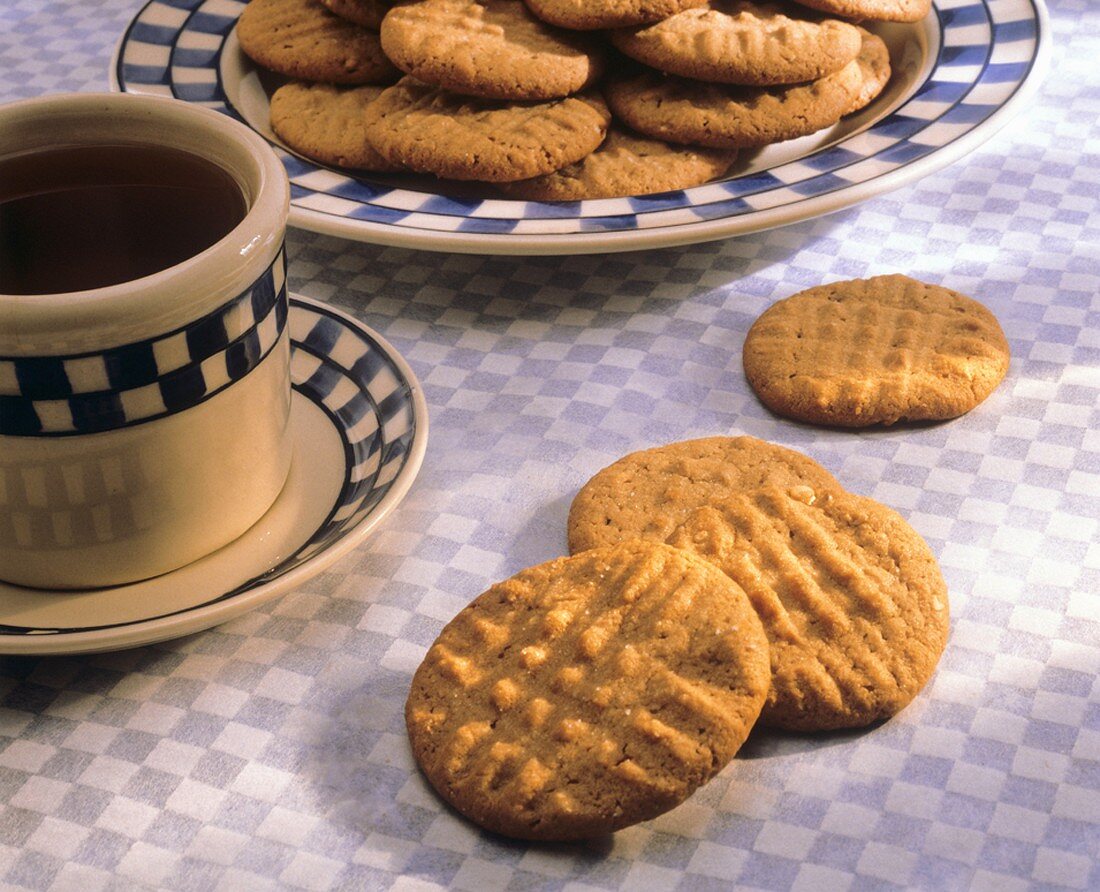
point(563, 99)
point(713, 584)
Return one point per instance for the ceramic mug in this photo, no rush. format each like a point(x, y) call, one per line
point(145, 424)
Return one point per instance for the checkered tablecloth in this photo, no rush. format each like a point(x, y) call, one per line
point(270, 752)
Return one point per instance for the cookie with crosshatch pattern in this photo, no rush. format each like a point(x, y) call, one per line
point(302, 39)
point(587, 15)
point(648, 494)
point(873, 10)
point(850, 596)
point(428, 130)
point(366, 13)
point(875, 351)
point(680, 110)
point(743, 42)
point(495, 49)
point(326, 123)
point(626, 163)
point(589, 693)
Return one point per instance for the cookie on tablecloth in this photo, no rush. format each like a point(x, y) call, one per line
point(303, 40)
point(648, 494)
point(326, 123)
point(743, 42)
point(589, 693)
point(428, 130)
point(875, 351)
point(495, 49)
point(626, 164)
point(851, 598)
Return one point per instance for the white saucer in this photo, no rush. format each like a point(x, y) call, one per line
point(360, 427)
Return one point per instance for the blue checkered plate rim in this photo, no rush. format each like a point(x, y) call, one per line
point(371, 398)
point(959, 76)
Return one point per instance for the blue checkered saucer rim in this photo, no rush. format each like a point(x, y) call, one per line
point(339, 533)
point(174, 48)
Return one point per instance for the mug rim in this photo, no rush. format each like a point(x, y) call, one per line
point(230, 262)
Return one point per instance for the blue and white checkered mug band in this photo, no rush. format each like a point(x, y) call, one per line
point(49, 396)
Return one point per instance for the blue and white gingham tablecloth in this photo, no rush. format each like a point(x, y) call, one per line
point(270, 752)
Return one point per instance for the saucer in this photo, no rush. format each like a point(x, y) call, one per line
point(360, 428)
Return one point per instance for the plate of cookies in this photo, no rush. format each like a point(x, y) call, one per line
point(561, 126)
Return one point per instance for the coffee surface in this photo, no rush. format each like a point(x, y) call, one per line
point(75, 218)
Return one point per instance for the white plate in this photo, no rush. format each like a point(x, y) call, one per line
point(960, 74)
point(360, 430)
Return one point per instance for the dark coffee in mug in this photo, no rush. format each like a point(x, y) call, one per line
point(80, 217)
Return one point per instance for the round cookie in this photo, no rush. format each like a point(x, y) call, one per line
point(493, 49)
point(874, 67)
point(873, 10)
point(589, 693)
point(648, 494)
point(591, 15)
point(743, 42)
point(427, 130)
point(725, 116)
point(303, 40)
point(875, 351)
point(626, 164)
point(852, 600)
point(366, 13)
point(326, 123)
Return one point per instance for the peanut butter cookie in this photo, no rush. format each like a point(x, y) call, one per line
point(743, 42)
point(326, 123)
point(626, 164)
point(648, 494)
point(495, 49)
point(874, 67)
point(303, 40)
point(590, 15)
point(851, 597)
point(427, 130)
point(873, 10)
point(366, 13)
point(875, 351)
point(589, 693)
point(725, 116)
